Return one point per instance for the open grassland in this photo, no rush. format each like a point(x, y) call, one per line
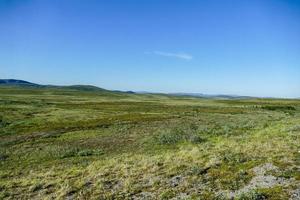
point(74, 143)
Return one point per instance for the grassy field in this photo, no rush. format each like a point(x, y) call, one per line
point(85, 143)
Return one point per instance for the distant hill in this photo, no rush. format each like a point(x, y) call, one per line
point(91, 88)
point(128, 92)
point(15, 82)
point(216, 96)
point(84, 88)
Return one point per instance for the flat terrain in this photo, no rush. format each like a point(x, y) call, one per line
point(84, 143)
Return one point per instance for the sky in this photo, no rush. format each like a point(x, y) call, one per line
point(249, 47)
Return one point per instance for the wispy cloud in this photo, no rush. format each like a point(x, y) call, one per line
point(183, 56)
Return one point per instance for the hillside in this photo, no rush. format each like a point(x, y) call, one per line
point(82, 142)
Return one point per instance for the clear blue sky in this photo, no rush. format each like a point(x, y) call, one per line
point(211, 46)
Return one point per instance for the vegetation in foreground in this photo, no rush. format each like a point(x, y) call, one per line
point(79, 143)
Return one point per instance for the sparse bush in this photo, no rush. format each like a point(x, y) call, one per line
point(279, 108)
point(169, 137)
point(3, 156)
point(194, 138)
point(69, 153)
point(194, 127)
point(89, 152)
point(167, 195)
point(253, 195)
point(265, 125)
point(85, 153)
point(287, 173)
point(36, 187)
point(249, 125)
point(197, 170)
point(233, 157)
point(239, 180)
point(176, 135)
point(77, 152)
point(294, 128)
point(3, 122)
point(220, 130)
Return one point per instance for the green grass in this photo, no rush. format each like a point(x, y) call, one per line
point(88, 143)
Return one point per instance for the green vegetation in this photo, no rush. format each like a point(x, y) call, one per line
point(81, 142)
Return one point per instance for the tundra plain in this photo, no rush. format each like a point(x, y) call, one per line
point(82, 142)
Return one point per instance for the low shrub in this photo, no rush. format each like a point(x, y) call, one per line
point(89, 152)
point(77, 152)
point(69, 153)
point(279, 108)
point(194, 138)
point(295, 128)
point(253, 195)
point(229, 156)
point(3, 156)
point(176, 135)
point(3, 122)
point(169, 137)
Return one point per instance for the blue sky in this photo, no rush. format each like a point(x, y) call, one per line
point(210, 46)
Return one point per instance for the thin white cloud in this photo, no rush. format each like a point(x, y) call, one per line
point(183, 56)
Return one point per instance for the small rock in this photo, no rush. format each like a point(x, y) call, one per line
point(295, 194)
point(261, 170)
point(181, 196)
point(144, 196)
point(175, 181)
